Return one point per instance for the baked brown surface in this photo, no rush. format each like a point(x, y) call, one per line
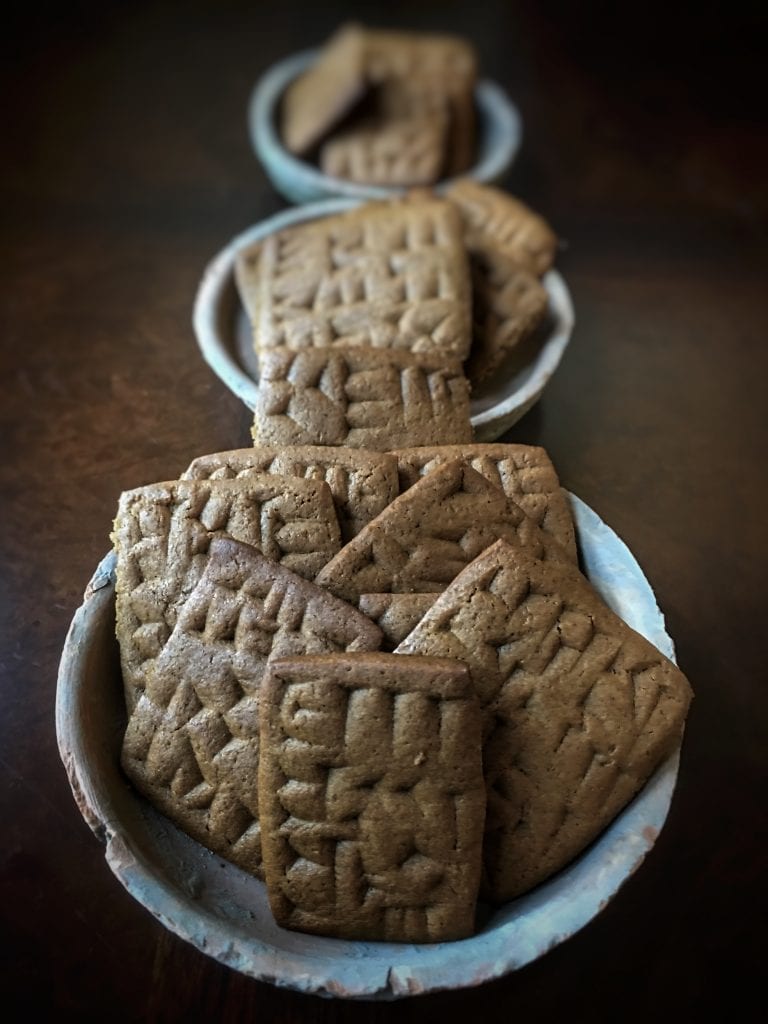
point(362, 483)
point(429, 534)
point(192, 742)
point(319, 98)
point(162, 533)
point(371, 796)
point(578, 708)
point(360, 397)
point(396, 151)
point(395, 614)
point(494, 219)
point(524, 472)
point(387, 275)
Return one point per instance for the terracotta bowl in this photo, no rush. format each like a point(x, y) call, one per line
point(224, 912)
point(500, 134)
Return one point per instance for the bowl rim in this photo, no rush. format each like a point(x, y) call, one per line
point(495, 109)
point(212, 310)
point(526, 928)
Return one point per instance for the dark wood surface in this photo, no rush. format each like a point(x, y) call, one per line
point(126, 167)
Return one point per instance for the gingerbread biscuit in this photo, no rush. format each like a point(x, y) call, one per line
point(162, 533)
point(247, 279)
point(496, 220)
point(192, 743)
point(317, 100)
point(429, 534)
point(396, 615)
point(578, 709)
point(360, 397)
point(362, 483)
point(508, 304)
point(385, 275)
point(524, 472)
point(389, 152)
point(371, 796)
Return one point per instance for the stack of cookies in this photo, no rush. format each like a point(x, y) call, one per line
point(369, 326)
point(385, 108)
point(377, 679)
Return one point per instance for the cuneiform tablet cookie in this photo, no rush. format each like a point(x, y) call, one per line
point(316, 101)
point(495, 219)
point(508, 303)
point(578, 708)
point(162, 534)
point(360, 397)
point(387, 275)
point(371, 796)
point(192, 742)
point(396, 615)
point(524, 472)
point(429, 534)
point(362, 483)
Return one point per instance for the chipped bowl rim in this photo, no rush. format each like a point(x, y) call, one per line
point(500, 137)
point(217, 309)
point(174, 883)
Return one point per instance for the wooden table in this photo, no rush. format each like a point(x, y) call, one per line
point(127, 166)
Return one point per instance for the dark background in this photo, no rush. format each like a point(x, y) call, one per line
point(126, 166)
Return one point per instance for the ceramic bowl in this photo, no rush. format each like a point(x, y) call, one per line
point(224, 912)
point(499, 124)
point(224, 335)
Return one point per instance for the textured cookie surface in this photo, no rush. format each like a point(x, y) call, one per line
point(396, 615)
point(524, 472)
point(162, 534)
point(402, 151)
point(387, 275)
point(360, 397)
point(371, 796)
point(429, 534)
point(494, 219)
point(192, 742)
point(319, 98)
point(362, 483)
point(578, 708)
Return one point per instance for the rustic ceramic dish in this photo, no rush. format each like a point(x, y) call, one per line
point(224, 912)
point(500, 134)
point(224, 335)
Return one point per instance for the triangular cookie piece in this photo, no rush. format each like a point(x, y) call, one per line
point(579, 709)
point(162, 533)
point(428, 535)
point(192, 743)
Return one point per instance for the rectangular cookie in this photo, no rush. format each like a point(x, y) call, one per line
point(524, 472)
point(496, 220)
point(360, 397)
point(371, 796)
point(162, 533)
point(192, 742)
point(429, 534)
point(578, 709)
point(397, 151)
point(386, 275)
point(362, 483)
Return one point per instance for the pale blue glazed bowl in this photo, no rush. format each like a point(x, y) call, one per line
point(500, 134)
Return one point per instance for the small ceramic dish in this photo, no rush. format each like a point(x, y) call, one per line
point(224, 912)
point(500, 134)
point(224, 335)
